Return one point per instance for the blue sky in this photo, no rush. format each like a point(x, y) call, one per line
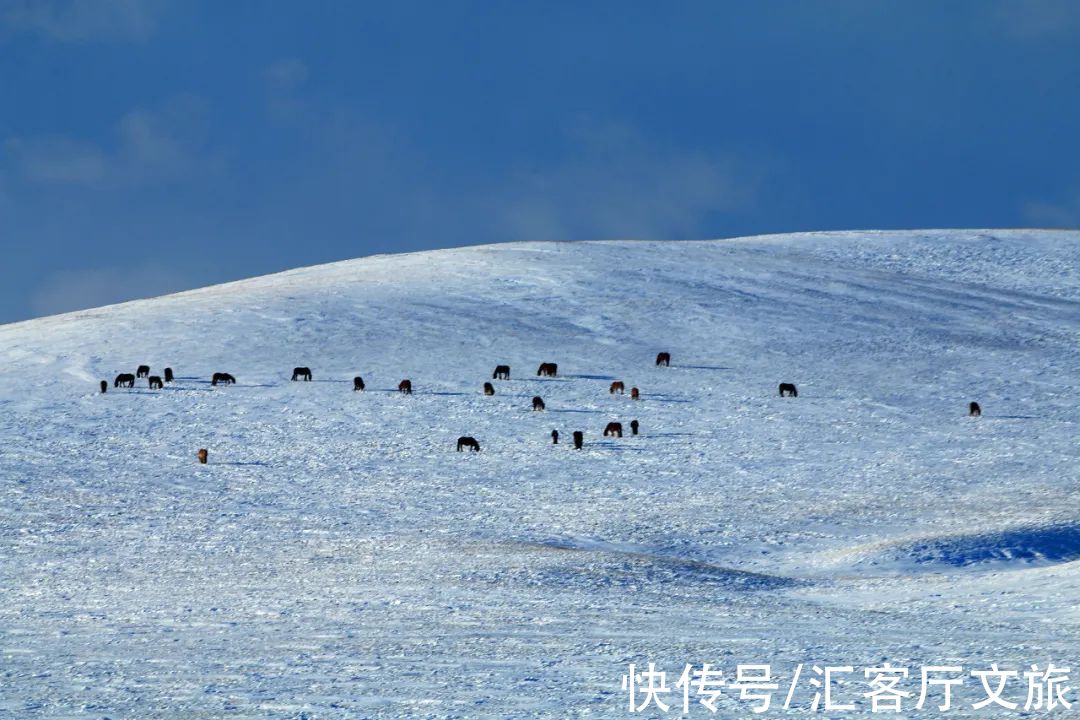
point(156, 145)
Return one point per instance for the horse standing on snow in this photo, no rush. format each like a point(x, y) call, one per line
point(974, 410)
point(155, 383)
point(538, 403)
point(617, 387)
point(124, 380)
point(579, 439)
point(663, 359)
point(168, 374)
point(548, 369)
point(613, 428)
point(788, 389)
point(223, 378)
point(358, 384)
point(467, 442)
point(104, 385)
point(502, 372)
point(635, 394)
point(405, 387)
point(301, 372)
point(143, 371)
point(489, 389)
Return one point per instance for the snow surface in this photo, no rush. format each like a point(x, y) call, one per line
point(338, 559)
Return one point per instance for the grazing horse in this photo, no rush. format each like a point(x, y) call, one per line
point(538, 403)
point(613, 428)
point(301, 372)
point(554, 437)
point(168, 375)
point(635, 394)
point(405, 387)
point(579, 439)
point(664, 359)
point(202, 455)
point(502, 372)
point(155, 382)
point(634, 427)
point(104, 385)
point(548, 369)
point(124, 380)
point(489, 389)
point(358, 384)
point(142, 371)
point(788, 389)
point(223, 378)
point(974, 410)
point(467, 442)
point(617, 387)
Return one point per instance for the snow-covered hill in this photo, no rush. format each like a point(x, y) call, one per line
point(338, 559)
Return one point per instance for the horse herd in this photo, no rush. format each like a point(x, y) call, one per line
point(502, 372)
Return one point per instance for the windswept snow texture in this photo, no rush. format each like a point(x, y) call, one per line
point(338, 559)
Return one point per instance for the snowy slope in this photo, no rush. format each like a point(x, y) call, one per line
point(338, 559)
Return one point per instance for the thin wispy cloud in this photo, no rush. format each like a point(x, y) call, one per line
point(1063, 214)
point(83, 20)
point(150, 146)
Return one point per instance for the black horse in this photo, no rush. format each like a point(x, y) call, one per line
point(358, 384)
point(579, 439)
point(502, 372)
point(538, 403)
point(613, 428)
point(788, 389)
point(548, 369)
point(155, 383)
point(489, 389)
point(405, 387)
point(143, 371)
point(634, 427)
point(168, 375)
point(124, 380)
point(974, 410)
point(554, 437)
point(467, 442)
point(223, 378)
point(664, 359)
point(104, 385)
point(301, 372)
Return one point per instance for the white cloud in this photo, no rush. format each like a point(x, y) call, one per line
point(83, 20)
point(1065, 214)
point(619, 184)
point(150, 147)
point(80, 289)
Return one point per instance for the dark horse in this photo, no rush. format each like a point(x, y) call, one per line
point(405, 387)
point(489, 389)
point(104, 385)
point(579, 439)
point(788, 389)
point(168, 375)
point(155, 382)
point(124, 380)
point(223, 378)
point(467, 442)
point(358, 383)
point(613, 428)
point(974, 410)
point(664, 359)
point(301, 372)
point(143, 371)
point(617, 387)
point(202, 455)
point(634, 426)
point(502, 372)
point(554, 437)
point(538, 403)
point(548, 369)
point(634, 393)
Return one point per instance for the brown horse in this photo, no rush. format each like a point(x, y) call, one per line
point(223, 378)
point(104, 385)
point(664, 359)
point(974, 410)
point(635, 394)
point(579, 439)
point(489, 389)
point(502, 372)
point(613, 428)
point(538, 403)
point(301, 372)
point(358, 384)
point(143, 371)
point(124, 380)
point(467, 442)
point(155, 383)
point(202, 455)
point(788, 389)
point(168, 375)
point(617, 387)
point(405, 387)
point(548, 369)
